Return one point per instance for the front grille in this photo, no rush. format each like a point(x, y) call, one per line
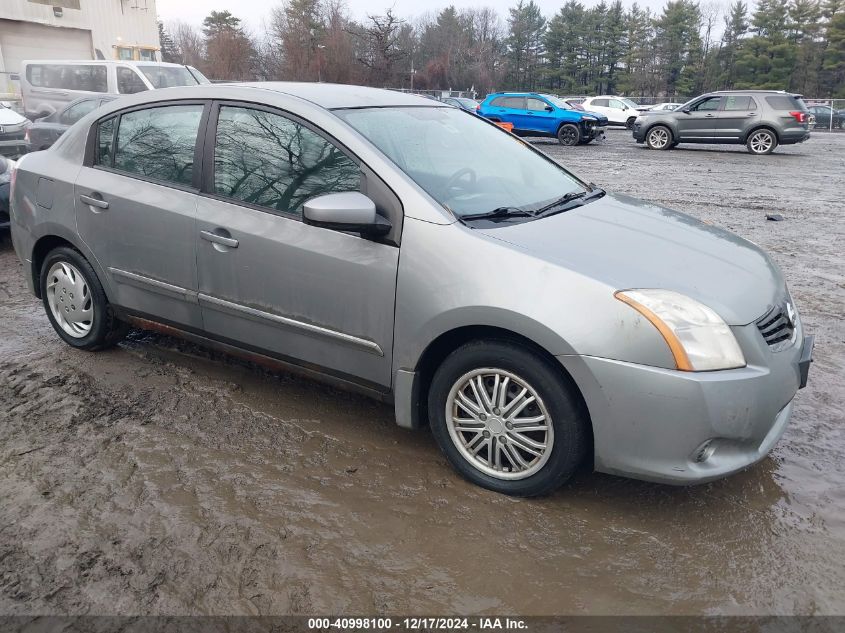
point(778, 325)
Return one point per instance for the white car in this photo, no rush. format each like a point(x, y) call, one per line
point(12, 131)
point(618, 110)
point(665, 107)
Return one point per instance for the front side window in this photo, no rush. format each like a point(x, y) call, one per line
point(167, 76)
point(615, 103)
point(536, 105)
point(464, 163)
point(129, 82)
point(159, 142)
point(266, 159)
point(75, 112)
point(707, 105)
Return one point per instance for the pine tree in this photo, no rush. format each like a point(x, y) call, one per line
point(166, 44)
point(526, 29)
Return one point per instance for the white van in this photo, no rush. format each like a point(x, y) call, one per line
point(49, 85)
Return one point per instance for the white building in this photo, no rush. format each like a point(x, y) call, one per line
point(74, 29)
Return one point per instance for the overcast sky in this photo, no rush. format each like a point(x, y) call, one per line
point(253, 12)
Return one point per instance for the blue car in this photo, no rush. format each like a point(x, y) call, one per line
point(535, 114)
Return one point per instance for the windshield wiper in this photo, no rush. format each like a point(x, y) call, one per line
point(500, 212)
point(559, 205)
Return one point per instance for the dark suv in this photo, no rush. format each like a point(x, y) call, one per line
point(534, 114)
point(761, 119)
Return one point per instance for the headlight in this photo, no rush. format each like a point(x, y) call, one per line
point(697, 337)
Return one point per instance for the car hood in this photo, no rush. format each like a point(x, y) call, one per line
point(10, 117)
point(627, 243)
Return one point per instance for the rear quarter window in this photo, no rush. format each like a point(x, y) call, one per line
point(784, 102)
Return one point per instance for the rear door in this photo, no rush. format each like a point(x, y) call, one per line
point(737, 115)
point(136, 201)
point(698, 123)
point(270, 282)
point(508, 109)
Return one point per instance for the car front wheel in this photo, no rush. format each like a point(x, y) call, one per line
point(569, 134)
point(761, 142)
point(630, 122)
point(76, 303)
point(506, 419)
point(659, 137)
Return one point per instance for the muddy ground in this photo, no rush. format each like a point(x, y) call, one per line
point(161, 478)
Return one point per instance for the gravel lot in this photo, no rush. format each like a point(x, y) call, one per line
point(161, 478)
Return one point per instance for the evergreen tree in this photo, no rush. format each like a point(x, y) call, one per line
point(526, 29)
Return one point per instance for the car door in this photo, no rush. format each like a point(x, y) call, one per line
point(507, 109)
point(272, 283)
point(617, 112)
point(136, 198)
point(599, 106)
point(737, 115)
point(537, 116)
point(698, 122)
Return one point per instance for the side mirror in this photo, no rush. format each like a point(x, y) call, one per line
point(349, 211)
point(686, 110)
point(549, 108)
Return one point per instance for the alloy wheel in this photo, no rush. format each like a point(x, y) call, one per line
point(499, 423)
point(761, 142)
point(658, 138)
point(70, 299)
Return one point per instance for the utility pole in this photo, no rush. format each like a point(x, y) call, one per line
point(413, 72)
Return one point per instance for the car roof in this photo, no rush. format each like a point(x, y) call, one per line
point(101, 61)
point(335, 96)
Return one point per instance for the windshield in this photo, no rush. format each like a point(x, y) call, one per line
point(168, 76)
point(467, 165)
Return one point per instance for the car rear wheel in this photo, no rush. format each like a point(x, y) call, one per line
point(659, 137)
point(506, 419)
point(76, 303)
point(569, 134)
point(761, 142)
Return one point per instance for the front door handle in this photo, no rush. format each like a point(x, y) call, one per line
point(709, 116)
point(94, 201)
point(219, 239)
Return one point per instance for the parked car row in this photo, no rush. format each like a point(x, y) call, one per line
point(162, 209)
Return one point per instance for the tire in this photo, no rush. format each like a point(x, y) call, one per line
point(761, 141)
point(659, 137)
point(569, 134)
point(563, 433)
point(71, 291)
point(629, 124)
point(586, 141)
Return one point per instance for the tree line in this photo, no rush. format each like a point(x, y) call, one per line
point(685, 49)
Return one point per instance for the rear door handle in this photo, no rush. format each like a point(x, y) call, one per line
point(94, 202)
point(219, 239)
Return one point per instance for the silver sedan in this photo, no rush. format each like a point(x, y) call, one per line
point(416, 252)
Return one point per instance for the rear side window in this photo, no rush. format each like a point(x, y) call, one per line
point(91, 78)
point(601, 103)
point(75, 112)
point(159, 143)
point(128, 81)
point(516, 103)
point(105, 142)
point(266, 159)
point(784, 102)
point(736, 102)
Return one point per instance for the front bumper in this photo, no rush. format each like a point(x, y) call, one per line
point(681, 428)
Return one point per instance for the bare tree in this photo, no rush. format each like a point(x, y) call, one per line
point(189, 44)
point(380, 52)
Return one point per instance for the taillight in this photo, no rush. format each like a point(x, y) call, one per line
point(26, 135)
point(478, 108)
point(799, 116)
